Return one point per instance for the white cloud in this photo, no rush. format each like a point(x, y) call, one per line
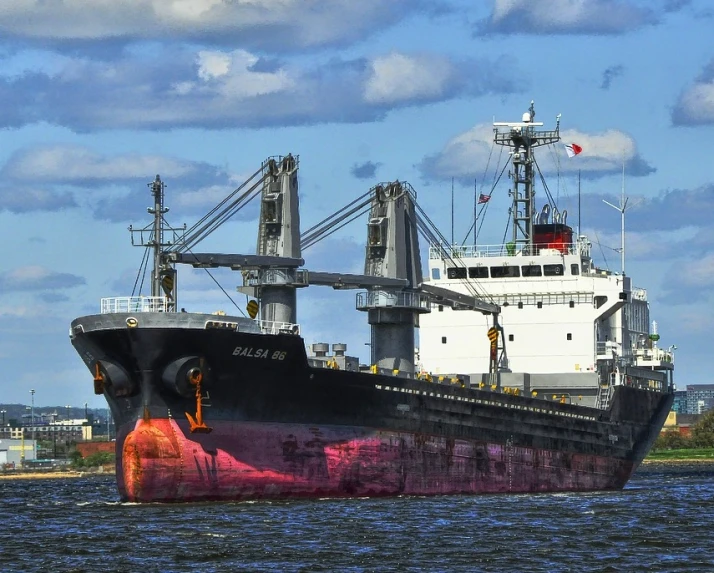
point(174, 88)
point(467, 154)
point(601, 152)
point(566, 17)
point(398, 77)
point(76, 164)
point(203, 197)
point(35, 277)
point(696, 273)
point(230, 75)
point(272, 25)
point(696, 103)
point(213, 64)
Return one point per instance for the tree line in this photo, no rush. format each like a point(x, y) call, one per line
point(702, 436)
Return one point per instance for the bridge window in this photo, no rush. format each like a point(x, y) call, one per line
point(443, 339)
point(478, 272)
point(456, 272)
point(570, 335)
point(531, 271)
point(435, 274)
point(505, 272)
point(510, 338)
point(575, 269)
point(553, 270)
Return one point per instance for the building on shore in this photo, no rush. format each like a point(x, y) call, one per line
point(15, 453)
point(72, 430)
point(696, 399)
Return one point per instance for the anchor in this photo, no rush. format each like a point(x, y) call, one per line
point(98, 379)
point(197, 425)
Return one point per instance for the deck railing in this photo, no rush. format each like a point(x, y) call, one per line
point(476, 251)
point(131, 304)
point(268, 327)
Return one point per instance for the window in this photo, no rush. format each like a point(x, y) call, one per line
point(570, 336)
point(456, 272)
point(443, 339)
point(520, 304)
point(505, 272)
point(539, 304)
point(441, 308)
point(572, 304)
point(510, 338)
point(478, 272)
point(575, 269)
point(435, 274)
point(553, 270)
point(531, 271)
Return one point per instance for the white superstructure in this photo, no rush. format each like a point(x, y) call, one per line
point(568, 327)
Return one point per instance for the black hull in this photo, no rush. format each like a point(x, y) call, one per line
point(256, 379)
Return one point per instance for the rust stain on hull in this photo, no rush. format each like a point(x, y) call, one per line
point(163, 461)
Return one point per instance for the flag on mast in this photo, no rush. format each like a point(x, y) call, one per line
point(573, 149)
point(483, 198)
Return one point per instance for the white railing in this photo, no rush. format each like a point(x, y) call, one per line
point(386, 299)
point(654, 355)
point(268, 327)
point(476, 251)
point(131, 304)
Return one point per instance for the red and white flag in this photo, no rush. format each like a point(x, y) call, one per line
point(573, 149)
point(483, 198)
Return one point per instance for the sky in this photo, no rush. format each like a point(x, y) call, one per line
point(97, 97)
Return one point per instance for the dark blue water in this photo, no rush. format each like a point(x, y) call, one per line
point(662, 521)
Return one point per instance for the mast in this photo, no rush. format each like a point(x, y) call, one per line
point(153, 236)
point(523, 138)
point(622, 207)
point(157, 190)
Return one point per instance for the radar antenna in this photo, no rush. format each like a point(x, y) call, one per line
point(523, 137)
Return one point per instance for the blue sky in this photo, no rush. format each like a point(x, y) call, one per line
point(98, 97)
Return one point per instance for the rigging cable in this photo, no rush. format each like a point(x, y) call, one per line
point(222, 289)
point(142, 268)
point(497, 177)
point(195, 235)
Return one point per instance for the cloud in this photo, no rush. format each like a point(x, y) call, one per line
point(177, 88)
point(399, 77)
point(33, 199)
point(695, 105)
point(610, 74)
point(669, 210)
point(676, 5)
point(53, 297)
point(114, 185)
point(693, 279)
point(366, 170)
point(63, 164)
point(37, 278)
point(599, 17)
point(466, 155)
point(267, 25)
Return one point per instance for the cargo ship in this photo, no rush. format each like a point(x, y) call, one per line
point(533, 370)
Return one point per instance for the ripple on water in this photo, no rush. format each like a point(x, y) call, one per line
point(660, 522)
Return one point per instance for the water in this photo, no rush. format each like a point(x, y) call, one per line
point(662, 521)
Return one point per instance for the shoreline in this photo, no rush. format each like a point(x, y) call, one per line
point(20, 474)
point(678, 461)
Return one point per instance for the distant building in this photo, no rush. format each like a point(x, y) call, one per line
point(680, 402)
point(700, 398)
point(74, 430)
point(14, 452)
